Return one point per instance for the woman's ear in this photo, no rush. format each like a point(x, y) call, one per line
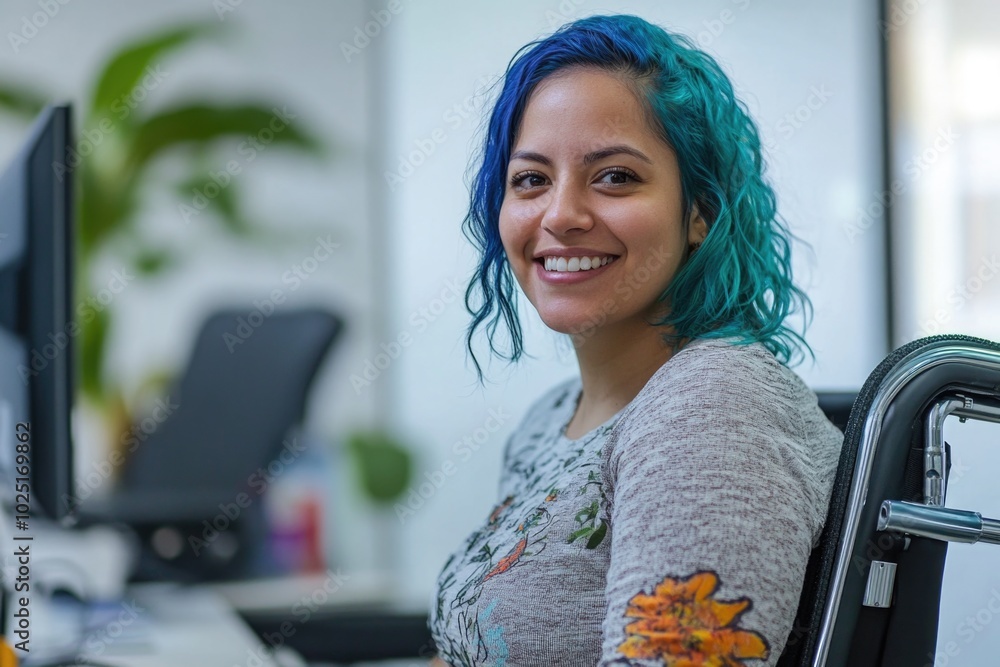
point(697, 227)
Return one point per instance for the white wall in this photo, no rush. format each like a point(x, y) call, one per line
point(778, 53)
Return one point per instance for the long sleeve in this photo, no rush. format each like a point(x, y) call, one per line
point(675, 534)
point(717, 492)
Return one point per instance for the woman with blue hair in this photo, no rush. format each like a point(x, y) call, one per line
point(661, 508)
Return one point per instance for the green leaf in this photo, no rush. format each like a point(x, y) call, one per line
point(150, 262)
point(223, 204)
point(126, 68)
point(260, 126)
point(576, 534)
point(21, 100)
point(102, 207)
point(598, 536)
point(94, 325)
point(384, 465)
point(587, 513)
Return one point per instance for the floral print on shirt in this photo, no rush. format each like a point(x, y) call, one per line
point(514, 533)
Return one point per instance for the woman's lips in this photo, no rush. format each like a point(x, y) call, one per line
point(569, 277)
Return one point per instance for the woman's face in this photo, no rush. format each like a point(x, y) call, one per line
point(590, 185)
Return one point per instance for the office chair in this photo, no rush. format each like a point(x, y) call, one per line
point(872, 590)
point(241, 394)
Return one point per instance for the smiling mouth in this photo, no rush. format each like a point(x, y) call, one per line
point(555, 264)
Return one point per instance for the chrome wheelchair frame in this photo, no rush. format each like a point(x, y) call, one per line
point(871, 596)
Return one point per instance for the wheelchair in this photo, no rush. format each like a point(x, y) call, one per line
point(872, 590)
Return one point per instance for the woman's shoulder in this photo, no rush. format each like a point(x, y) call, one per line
point(722, 383)
point(717, 405)
point(712, 367)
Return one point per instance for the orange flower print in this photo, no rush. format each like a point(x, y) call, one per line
point(498, 510)
point(682, 626)
point(509, 560)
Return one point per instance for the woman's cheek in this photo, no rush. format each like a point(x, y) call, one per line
point(513, 236)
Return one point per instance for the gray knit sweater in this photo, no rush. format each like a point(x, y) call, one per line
point(674, 534)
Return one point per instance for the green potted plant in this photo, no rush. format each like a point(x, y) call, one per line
point(118, 143)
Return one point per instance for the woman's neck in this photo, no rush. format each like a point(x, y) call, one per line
point(615, 364)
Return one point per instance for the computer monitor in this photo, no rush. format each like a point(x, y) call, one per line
point(37, 333)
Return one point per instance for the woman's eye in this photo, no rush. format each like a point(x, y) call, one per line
point(527, 179)
point(618, 176)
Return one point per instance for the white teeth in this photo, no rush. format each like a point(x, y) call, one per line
point(575, 264)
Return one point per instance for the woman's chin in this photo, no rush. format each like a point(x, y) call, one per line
point(573, 326)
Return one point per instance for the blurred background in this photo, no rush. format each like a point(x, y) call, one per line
point(252, 160)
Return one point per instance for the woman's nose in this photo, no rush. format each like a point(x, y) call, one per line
point(565, 211)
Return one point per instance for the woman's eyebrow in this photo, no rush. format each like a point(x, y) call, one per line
point(594, 156)
point(588, 159)
point(531, 157)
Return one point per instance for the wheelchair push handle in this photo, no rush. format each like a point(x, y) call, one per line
point(938, 523)
point(932, 519)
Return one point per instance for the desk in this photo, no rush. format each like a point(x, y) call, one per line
point(334, 618)
point(161, 625)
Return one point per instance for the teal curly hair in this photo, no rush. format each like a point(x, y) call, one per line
point(739, 283)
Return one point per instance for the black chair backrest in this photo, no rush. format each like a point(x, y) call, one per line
point(837, 405)
point(865, 635)
point(243, 390)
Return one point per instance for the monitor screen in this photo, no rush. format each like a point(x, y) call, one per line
point(36, 330)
